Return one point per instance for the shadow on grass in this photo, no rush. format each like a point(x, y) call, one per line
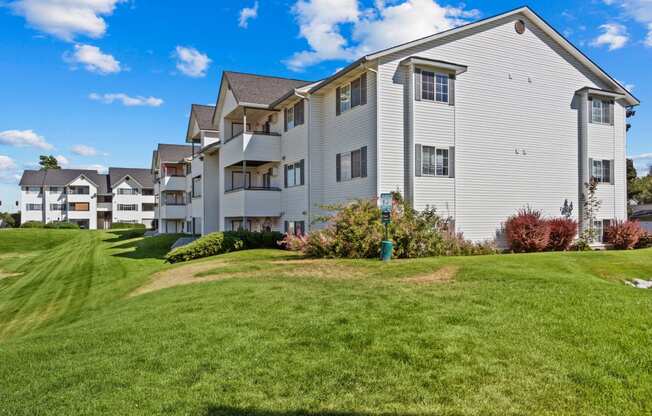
point(236, 411)
point(155, 247)
point(121, 235)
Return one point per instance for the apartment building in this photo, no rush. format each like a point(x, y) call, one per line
point(88, 198)
point(170, 168)
point(476, 121)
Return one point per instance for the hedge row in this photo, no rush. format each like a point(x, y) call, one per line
point(123, 225)
point(223, 242)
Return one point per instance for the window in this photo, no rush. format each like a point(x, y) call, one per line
point(57, 207)
point(32, 189)
point(173, 170)
point(78, 206)
point(294, 174)
point(188, 169)
point(434, 87)
point(173, 198)
point(601, 171)
point(351, 165)
point(237, 225)
point(267, 179)
point(601, 111)
point(148, 192)
point(34, 207)
point(148, 207)
point(290, 117)
point(127, 207)
point(104, 199)
point(600, 228)
point(56, 189)
point(434, 161)
point(295, 227)
point(351, 95)
point(79, 190)
point(196, 187)
point(127, 191)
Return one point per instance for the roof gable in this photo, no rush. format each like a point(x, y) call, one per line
point(260, 89)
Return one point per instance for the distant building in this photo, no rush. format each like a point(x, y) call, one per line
point(88, 198)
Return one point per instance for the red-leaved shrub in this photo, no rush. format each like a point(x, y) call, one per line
point(562, 233)
point(624, 235)
point(527, 231)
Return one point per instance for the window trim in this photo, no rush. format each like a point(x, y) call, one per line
point(296, 166)
point(445, 167)
point(121, 207)
point(601, 178)
point(360, 92)
point(435, 78)
point(343, 159)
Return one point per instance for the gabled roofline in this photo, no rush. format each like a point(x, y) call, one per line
point(123, 177)
point(79, 176)
point(527, 12)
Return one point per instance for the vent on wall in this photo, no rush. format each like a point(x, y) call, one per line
point(519, 26)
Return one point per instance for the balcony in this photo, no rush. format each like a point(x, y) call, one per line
point(104, 206)
point(252, 202)
point(173, 183)
point(252, 146)
point(172, 211)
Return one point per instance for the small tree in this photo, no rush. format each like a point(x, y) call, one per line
point(48, 162)
point(567, 209)
point(591, 206)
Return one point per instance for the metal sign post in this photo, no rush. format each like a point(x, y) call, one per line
point(387, 247)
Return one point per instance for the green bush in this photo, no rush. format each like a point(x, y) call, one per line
point(355, 231)
point(32, 224)
point(208, 245)
point(123, 225)
point(8, 219)
point(252, 240)
point(61, 225)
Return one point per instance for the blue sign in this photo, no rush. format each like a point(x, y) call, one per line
point(386, 202)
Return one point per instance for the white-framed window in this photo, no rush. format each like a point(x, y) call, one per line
point(345, 98)
point(351, 165)
point(601, 111)
point(57, 207)
point(240, 180)
point(148, 207)
point(434, 87)
point(127, 191)
point(196, 186)
point(290, 117)
point(601, 171)
point(600, 228)
point(434, 161)
point(34, 207)
point(127, 207)
point(294, 174)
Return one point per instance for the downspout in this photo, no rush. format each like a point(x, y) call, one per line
point(377, 156)
point(307, 167)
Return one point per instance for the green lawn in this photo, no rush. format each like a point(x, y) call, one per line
point(541, 334)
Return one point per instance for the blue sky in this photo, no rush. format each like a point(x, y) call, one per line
point(98, 83)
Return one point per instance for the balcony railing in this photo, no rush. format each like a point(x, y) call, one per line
point(253, 188)
point(256, 132)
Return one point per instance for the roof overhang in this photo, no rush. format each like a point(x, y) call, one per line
point(604, 93)
point(83, 176)
point(125, 177)
point(211, 148)
point(448, 66)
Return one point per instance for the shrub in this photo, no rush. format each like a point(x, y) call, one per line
point(527, 231)
point(62, 225)
point(253, 240)
point(624, 235)
point(7, 219)
point(562, 233)
point(356, 231)
point(123, 225)
point(208, 245)
point(32, 224)
point(645, 241)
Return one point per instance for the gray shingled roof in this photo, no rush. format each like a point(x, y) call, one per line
point(142, 176)
point(204, 116)
point(173, 152)
point(62, 177)
point(260, 89)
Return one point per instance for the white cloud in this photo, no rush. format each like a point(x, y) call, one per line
point(8, 170)
point(97, 167)
point(62, 160)
point(642, 163)
point(246, 14)
point(639, 10)
point(191, 62)
point(66, 19)
point(126, 100)
point(24, 138)
point(93, 59)
point(86, 151)
point(322, 23)
point(614, 36)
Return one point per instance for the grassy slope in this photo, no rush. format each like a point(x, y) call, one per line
point(517, 334)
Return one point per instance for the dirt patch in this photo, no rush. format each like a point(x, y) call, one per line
point(184, 275)
point(443, 275)
point(321, 269)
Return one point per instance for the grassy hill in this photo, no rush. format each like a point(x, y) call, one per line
point(96, 323)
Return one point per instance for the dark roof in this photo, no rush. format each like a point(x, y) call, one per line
point(204, 116)
point(173, 152)
point(142, 176)
point(62, 177)
point(260, 89)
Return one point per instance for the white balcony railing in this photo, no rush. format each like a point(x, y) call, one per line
point(172, 211)
point(173, 183)
point(252, 202)
point(260, 147)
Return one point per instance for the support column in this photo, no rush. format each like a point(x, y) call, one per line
point(244, 170)
point(583, 152)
